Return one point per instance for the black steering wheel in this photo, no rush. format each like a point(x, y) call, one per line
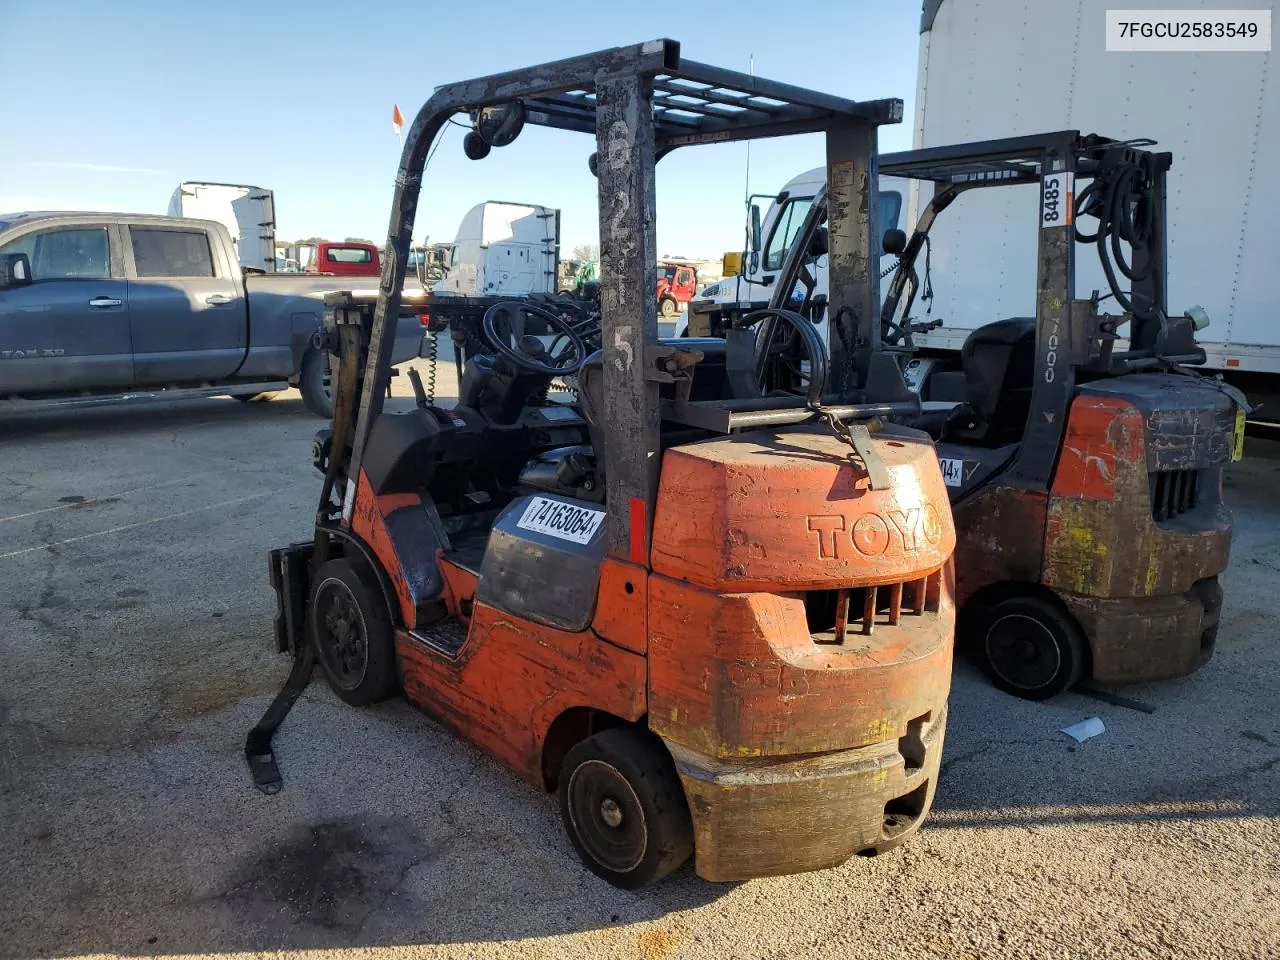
point(529, 352)
point(813, 346)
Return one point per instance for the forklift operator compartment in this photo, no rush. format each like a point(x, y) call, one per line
point(702, 589)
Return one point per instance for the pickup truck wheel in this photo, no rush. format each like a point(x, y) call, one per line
point(668, 308)
point(315, 384)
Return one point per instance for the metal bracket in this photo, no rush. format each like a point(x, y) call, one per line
point(877, 473)
point(667, 364)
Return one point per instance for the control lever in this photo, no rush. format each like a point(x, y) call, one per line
point(419, 394)
point(924, 326)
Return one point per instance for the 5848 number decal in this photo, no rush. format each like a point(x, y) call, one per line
point(1056, 200)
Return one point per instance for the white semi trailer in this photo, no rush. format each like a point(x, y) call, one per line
point(248, 213)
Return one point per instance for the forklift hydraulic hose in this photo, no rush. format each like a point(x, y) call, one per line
point(1118, 197)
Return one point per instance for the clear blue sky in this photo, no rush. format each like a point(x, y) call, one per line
point(111, 105)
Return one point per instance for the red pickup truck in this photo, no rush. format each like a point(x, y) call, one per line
point(347, 259)
point(677, 285)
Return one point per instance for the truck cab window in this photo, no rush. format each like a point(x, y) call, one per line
point(790, 220)
point(74, 254)
point(349, 255)
point(171, 253)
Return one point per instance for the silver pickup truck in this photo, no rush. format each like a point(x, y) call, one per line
point(97, 307)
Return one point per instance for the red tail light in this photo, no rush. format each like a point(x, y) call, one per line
point(424, 319)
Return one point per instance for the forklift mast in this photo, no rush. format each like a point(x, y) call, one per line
point(1126, 185)
point(642, 102)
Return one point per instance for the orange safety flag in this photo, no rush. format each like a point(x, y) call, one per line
point(397, 118)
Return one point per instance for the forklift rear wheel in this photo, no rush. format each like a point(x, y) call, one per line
point(315, 383)
point(1030, 647)
point(351, 633)
point(623, 807)
point(668, 308)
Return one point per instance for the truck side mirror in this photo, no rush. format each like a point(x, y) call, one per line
point(755, 227)
point(894, 242)
point(818, 242)
point(15, 270)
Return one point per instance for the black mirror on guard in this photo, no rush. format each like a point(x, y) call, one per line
point(15, 270)
point(894, 242)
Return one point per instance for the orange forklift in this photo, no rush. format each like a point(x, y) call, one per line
point(1085, 473)
point(718, 628)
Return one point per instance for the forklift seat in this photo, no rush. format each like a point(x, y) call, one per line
point(564, 469)
point(998, 360)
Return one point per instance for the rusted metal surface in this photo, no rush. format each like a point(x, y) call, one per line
point(1054, 378)
point(1102, 539)
point(791, 510)
point(1136, 640)
point(999, 538)
point(762, 818)
point(854, 232)
point(512, 678)
point(370, 518)
point(755, 684)
point(628, 251)
point(1138, 576)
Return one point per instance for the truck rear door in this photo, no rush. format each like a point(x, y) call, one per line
point(187, 315)
point(69, 328)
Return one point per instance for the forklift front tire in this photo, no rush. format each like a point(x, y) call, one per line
point(1030, 647)
point(350, 630)
point(623, 807)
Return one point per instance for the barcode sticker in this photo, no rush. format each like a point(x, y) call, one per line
point(564, 521)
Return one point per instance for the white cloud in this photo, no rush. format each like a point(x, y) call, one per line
point(90, 167)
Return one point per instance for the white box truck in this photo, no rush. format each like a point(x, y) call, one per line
point(1001, 68)
point(502, 250)
point(248, 213)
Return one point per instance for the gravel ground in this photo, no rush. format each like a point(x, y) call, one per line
point(137, 654)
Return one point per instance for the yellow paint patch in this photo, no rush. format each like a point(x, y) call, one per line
point(879, 730)
point(1153, 574)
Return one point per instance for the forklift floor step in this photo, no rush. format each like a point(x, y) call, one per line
point(447, 635)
